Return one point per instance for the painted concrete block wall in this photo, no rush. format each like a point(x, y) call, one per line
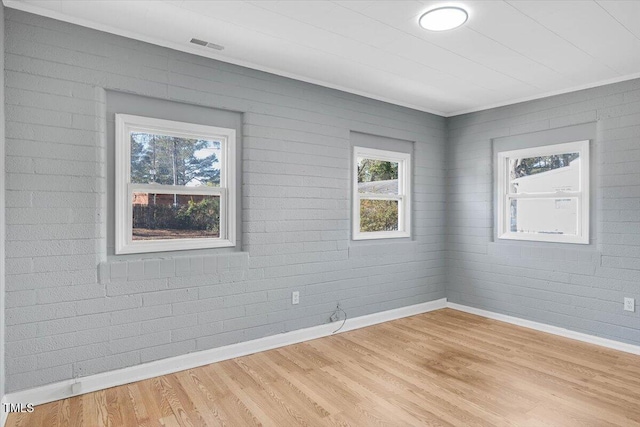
point(2, 212)
point(74, 310)
point(572, 286)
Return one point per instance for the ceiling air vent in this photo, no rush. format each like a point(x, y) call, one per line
point(207, 44)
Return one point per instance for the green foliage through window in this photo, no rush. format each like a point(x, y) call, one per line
point(202, 215)
point(376, 170)
point(169, 160)
point(378, 215)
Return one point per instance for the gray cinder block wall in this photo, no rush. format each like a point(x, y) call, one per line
point(572, 286)
point(2, 212)
point(74, 310)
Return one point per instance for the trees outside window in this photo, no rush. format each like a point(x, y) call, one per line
point(175, 185)
point(381, 194)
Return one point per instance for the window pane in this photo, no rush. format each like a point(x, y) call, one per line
point(378, 215)
point(175, 216)
point(377, 176)
point(545, 174)
point(171, 160)
point(544, 216)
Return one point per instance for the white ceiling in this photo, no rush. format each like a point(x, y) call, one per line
point(508, 51)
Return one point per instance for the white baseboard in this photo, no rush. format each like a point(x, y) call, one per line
point(3, 417)
point(555, 330)
point(63, 389)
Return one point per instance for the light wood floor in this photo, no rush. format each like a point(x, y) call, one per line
point(441, 368)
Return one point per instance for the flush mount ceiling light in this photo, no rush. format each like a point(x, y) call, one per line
point(443, 18)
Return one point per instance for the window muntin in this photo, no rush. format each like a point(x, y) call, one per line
point(175, 185)
point(543, 193)
point(381, 194)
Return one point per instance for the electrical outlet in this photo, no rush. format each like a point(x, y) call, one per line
point(335, 316)
point(295, 297)
point(629, 304)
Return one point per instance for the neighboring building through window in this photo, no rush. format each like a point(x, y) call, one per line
point(381, 194)
point(543, 193)
point(175, 185)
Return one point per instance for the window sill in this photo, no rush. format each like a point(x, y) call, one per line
point(545, 238)
point(367, 248)
point(382, 235)
point(142, 247)
point(557, 252)
point(173, 266)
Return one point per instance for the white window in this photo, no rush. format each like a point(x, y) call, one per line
point(543, 193)
point(381, 194)
point(175, 185)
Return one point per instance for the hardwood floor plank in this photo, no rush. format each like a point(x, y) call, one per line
point(443, 368)
point(197, 400)
point(95, 409)
point(138, 406)
point(155, 405)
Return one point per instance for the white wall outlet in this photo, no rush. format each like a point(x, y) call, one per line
point(629, 304)
point(295, 297)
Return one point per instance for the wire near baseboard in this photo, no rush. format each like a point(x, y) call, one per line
point(73, 387)
point(91, 383)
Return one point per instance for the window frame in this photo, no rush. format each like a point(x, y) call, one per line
point(404, 193)
point(124, 189)
point(582, 196)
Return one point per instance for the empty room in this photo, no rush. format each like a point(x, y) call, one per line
point(319, 213)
